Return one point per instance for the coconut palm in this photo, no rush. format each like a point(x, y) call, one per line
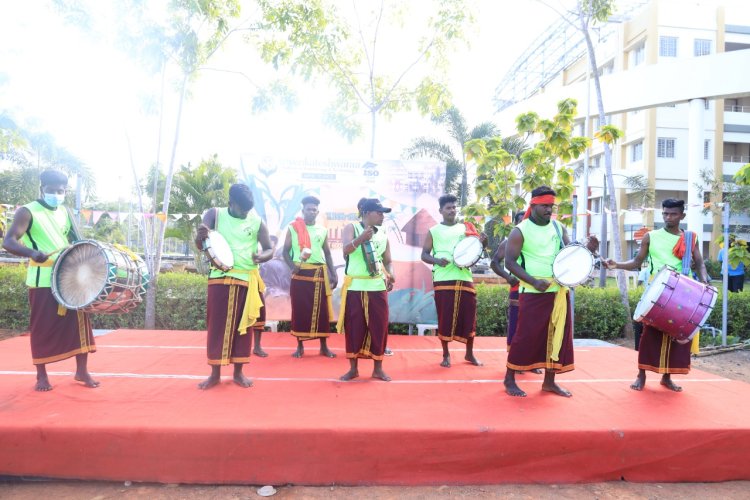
point(452, 153)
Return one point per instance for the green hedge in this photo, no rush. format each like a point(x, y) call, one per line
point(181, 305)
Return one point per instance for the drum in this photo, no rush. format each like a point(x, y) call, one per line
point(97, 277)
point(468, 251)
point(218, 251)
point(573, 265)
point(676, 304)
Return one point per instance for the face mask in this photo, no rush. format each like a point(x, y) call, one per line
point(54, 200)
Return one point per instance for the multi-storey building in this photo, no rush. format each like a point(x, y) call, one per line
point(657, 139)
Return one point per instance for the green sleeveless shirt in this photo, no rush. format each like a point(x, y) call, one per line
point(356, 265)
point(660, 251)
point(242, 237)
point(48, 232)
point(444, 239)
point(540, 246)
point(317, 237)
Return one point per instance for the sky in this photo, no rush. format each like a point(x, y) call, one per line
point(89, 97)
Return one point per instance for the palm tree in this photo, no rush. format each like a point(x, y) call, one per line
point(456, 173)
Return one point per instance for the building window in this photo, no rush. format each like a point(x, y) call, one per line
point(668, 46)
point(665, 148)
point(701, 47)
point(639, 54)
point(636, 151)
point(706, 147)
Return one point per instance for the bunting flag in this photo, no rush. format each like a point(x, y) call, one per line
point(97, 215)
point(162, 216)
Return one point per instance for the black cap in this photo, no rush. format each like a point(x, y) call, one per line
point(373, 205)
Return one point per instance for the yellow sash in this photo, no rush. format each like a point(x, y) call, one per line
point(344, 290)
point(558, 318)
point(253, 302)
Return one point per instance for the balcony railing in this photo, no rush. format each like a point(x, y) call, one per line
point(737, 109)
point(737, 158)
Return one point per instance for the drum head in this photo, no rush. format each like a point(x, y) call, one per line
point(80, 274)
point(572, 265)
point(467, 252)
point(652, 294)
point(219, 252)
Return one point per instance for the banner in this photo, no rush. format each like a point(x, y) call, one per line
point(410, 188)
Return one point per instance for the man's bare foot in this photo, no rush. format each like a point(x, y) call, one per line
point(640, 381)
point(241, 380)
point(260, 352)
point(556, 389)
point(351, 374)
point(299, 352)
point(379, 373)
point(512, 389)
point(538, 371)
point(42, 384)
point(474, 361)
point(446, 361)
point(86, 379)
point(209, 382)
point(667, 382)
point(327, 352)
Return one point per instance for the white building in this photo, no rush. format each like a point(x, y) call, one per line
point(648, 54)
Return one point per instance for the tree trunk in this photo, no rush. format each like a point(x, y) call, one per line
point(162, 225)
point(373, 118)
point(621, 282)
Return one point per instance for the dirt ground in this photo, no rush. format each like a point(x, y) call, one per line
point(732, 365)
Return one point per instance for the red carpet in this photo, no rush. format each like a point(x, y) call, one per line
point(300, 425)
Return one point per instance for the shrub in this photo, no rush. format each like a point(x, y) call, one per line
point(181, 305)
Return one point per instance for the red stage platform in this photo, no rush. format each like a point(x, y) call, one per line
point(300, 425)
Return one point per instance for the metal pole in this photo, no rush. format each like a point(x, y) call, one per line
point(725, 275)
point(573, 290)
point(603, 242)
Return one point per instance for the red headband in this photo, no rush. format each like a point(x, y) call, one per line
point(545, 199)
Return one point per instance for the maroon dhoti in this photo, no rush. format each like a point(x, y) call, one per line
point(532, 343)
point(310, 304)
point(456, 304)
point(657, 352)
point(55, 337)
point(366, 324)
point(224, 305)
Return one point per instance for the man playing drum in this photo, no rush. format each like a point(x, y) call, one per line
point(307, 254)
point(657, 351)
point(235, 303)
point(455, 297)
point(497, 266)
point(543, 336)
point(363, 316)
point(40, 230)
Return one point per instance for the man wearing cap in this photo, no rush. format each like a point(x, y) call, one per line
point(307, 254)
point(363, 316)
point(543, 336)
point(235, 305)
point(455, 297)
point(40, 230)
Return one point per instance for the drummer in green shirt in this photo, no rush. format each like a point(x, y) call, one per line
point(455, 297)
point(657, 351)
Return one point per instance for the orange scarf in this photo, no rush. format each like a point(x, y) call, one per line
point(680, 247)
point(470, 229)
point(303, 237)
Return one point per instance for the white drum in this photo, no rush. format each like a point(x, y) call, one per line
point(218, 252)
point(573, 265)
point(468, 251)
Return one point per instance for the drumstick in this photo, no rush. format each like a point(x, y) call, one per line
point(56, 251)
